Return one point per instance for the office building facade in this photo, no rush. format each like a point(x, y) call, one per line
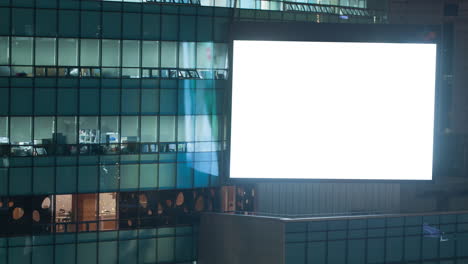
point(113, 122)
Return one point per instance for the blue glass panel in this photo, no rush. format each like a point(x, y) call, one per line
point(412, 248)
point(67, 101)
point(295, 253)
point(165, 249)
point(19, 255)
point(184, 175)
point(68, 23)
point(183, 248)
point(149, 102)
point(4, 101)
point(46, 22)
point(168, 102)
point(394, 249)
point(151, 26)
point(202, 174)
point(89, 101)
point(20, 181)
point(107, 252)
point(167, 175)
point(462, 245)
point(147, 251)
point(43, 254)
point(356, 251)
point(336, 252)
point(375, 250)
point(128, 251)
point(111, 25)
point(130, 101)
point(5, 21)
point(65, 253)
point(66, 179)
point(3, 181)
point(87, 179)
point(131, 26)
point(23, 22)
point(188, 30)
point(44, 180)
point(86, 253)
point(44, 101)
point(170, 27)
point(110, 101)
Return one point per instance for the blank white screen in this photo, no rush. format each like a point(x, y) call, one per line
point(332, 110)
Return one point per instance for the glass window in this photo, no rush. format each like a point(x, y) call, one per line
point(66, 130)
point(89, 131)
point(221, 55)
point(150, 54)
point(203, 128)
point(130, 129)
point(131, 53)
point(89, 55)
point(109, 177)
point(45, 51)
point(4, 50)
point(167, 128)
point(68, 52)
point(4, 130)
point(187, 55)
point(185, 128)
point(110, 52)
point(168, 54)
point(149, 129)
point(21, 51)
point(44, 130)
point(110, 129)
point(204, 55)
point(21, 129)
